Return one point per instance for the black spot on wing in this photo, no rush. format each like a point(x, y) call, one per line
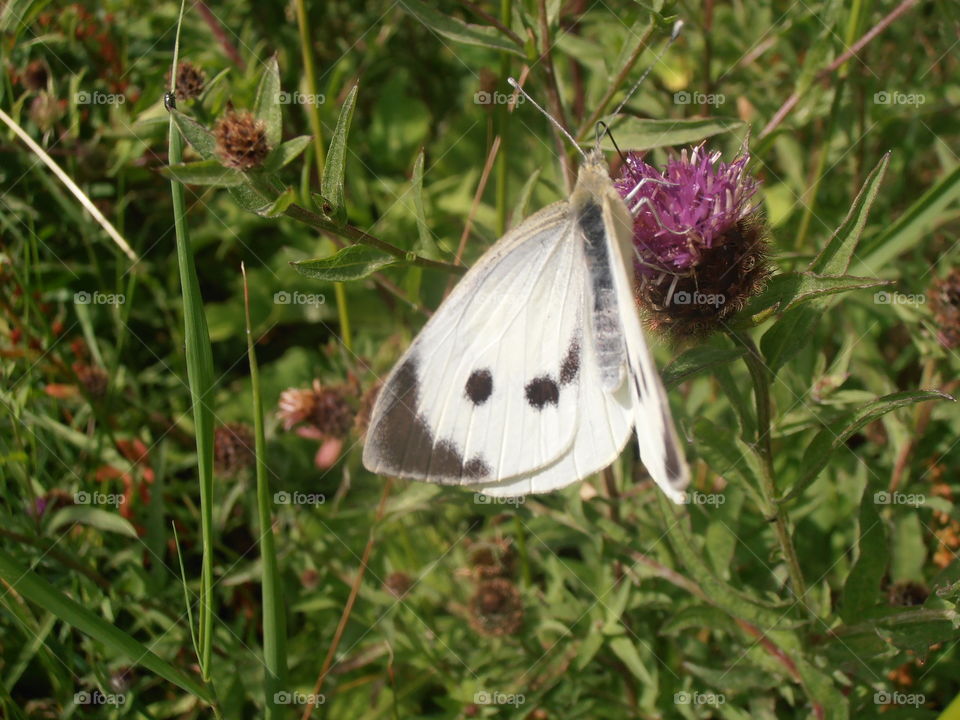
point(479, 386)
point(571, 363)
point(404, 441)
point(674, 465)
point(542, 391)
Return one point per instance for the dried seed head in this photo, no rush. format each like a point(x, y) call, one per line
point(233, 448)
point(700, 241)
point(945, 304)
point(46, 110)
point(398, 584)
point(35, 75)
point(241, 140)
point(496, 608)
point(190, 80)
point(93, 378)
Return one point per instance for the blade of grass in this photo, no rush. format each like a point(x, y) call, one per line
point(200, 379)
point(274, 621)
point(37, 590)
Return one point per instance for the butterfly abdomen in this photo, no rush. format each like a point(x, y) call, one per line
point(607, 331)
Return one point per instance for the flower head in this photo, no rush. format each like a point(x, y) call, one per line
point(190, 80)
point(241, 140)
point(496, 608)
point(698, 236)
point(233, 448)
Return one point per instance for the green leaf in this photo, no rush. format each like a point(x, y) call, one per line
point(624, 649)
point(788, 290)
point(251, 199)
point(697, 360)
point(203, 172)
point(95, 517)
point(427, 246)
point(197, 135)
point(333, 169)
point(643, 134)
point(829, 440)
point(459, 31)
point(267, 105)
point(717, 592)
point(834, 258)
point(912, 226)
point(787, 336)
point(862, 588)
point(353, 262)
point(280, 203)
point(37, 590)
point(730, 458)
point(286, 153)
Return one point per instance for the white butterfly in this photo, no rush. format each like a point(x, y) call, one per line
point(534, 371)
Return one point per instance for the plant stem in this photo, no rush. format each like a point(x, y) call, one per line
point(359, 236)
point(773, 510)
point(502, 128)
point(313, 113)
point(200, 379)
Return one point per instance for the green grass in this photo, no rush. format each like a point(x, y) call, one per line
point(150, 569)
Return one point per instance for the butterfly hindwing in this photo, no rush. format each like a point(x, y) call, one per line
point(490, 387)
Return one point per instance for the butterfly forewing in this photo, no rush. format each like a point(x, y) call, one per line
point(490, 387)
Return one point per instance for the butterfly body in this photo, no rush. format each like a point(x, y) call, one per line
point(533, 372)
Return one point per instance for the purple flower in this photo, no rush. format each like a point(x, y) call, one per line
point(700, 242)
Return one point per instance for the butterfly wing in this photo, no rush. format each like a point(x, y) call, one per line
point(490, 387)
point(660, 448)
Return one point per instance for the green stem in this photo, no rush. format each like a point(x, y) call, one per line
point(773, 510)
point(274, 625)
point(313, 113)
point(200, 378)
point(503, 125)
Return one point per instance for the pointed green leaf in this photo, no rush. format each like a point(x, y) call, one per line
point(281, 203)
point(197, 135)
point(267, 105)
point(285, 153)
point(644, 134)
point(106, 520)
point(37, 590)
point(250, 199)
point(834, 258)
point(624, 649)
point(333, 169)
point(731, 459)
point(790, 289)
point(697, 360)
point(353, 262)
point(427, 246)
point(203, 172)
point(787, 336)
point(829, 440)
point(458, 30)
point(861, 591)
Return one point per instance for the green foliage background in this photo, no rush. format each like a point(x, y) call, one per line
point(631, 607)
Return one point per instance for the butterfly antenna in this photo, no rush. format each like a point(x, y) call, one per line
point(556, 123)
point(604, 129)
point(677, 27)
